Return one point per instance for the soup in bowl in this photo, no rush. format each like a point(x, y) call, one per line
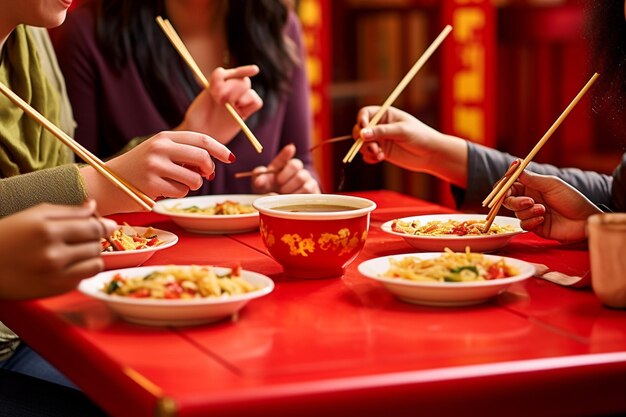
point(314, 235)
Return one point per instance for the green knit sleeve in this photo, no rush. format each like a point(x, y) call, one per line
point(59, 185)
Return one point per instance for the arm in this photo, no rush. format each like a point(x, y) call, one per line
point(618, 189)
point(60, 185)
point(486, 166)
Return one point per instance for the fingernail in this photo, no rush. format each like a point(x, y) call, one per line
point(231, 157)
point(367, 133)
point(212, 175)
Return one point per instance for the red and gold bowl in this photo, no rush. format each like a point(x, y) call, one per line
point(314, 235)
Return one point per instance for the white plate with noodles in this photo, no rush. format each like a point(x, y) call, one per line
point(213, 214)
point(135, 245)
point(176, 295)
point(446, 279)
point(434, 233)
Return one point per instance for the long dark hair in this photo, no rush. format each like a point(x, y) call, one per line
point(606, 33)
point(255, 33)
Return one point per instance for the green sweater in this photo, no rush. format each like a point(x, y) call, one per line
point(60, 185)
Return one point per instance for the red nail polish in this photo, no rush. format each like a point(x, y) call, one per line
point(212, 175)
point(232, 157)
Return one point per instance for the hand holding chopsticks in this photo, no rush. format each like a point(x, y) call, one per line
point(180, 47)
point(496, 197)
point(135, 194)
point(398, 90)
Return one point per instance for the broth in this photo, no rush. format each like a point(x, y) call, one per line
point(314, 208)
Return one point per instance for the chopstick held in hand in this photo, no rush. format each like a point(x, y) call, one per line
point(182, 50)
point(399, 88)
point(497, 195)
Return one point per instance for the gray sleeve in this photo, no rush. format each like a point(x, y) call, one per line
point(59, 185)
point(618, 190)
point(485, 166)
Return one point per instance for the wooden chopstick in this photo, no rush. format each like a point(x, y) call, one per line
point(245, 174)
point(138, 196)
point(399, 88)
point(179, 45)
point(333, 140)
point(496, 197)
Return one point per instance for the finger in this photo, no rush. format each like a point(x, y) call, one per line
point(237, 72)
point(362, 118)
point(107, 226)
point(283, 157)
point(290, 169)
point(230, 91)
point(248, 104)
point(204, 142)
point(518, 203)
point(76, 231)
point(81, 269)
point(296, 182)
point(262, 182)
point(55, 211)
point(532, 223)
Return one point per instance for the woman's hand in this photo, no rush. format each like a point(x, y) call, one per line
point(168, 164)
point(290, 177)
point(405, 141)
point(208, 114)
point(46, 250)
point(550, 207)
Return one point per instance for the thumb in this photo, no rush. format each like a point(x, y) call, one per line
point(538, 182)
point(380, 132)
point(283, 157)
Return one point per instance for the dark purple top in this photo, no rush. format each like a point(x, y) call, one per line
point(112, 108)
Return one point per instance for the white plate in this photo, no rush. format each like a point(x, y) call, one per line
point(128, 258)
point(485, 243)
point(212, 224)
point(191, 312)
point(443, 293)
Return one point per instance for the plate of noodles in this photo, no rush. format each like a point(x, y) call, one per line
point(213, 214)
point(433, 233)
point(133, 245)
point(176, 295)
point(446, 278)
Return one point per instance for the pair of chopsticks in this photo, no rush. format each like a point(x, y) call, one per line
point(498, 194)
point(396, 92)
point(179, 45)
point(139, 197)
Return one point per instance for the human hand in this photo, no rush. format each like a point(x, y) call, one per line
point(169, 164)
point(290, 177)
point(208, 114)
point(47, 249)
point(550, 207)
point(405, 141)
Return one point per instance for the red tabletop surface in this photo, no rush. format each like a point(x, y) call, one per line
point(344, 346)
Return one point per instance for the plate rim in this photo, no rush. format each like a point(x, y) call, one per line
point(165, 245)
point(386, 227)
point(455, 285)
point(149, 302)
point(160, 205)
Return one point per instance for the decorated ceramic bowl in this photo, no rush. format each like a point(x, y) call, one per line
point(314, 235)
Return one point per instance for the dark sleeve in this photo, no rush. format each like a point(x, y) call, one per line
point(298, 121)
point(60, 185)
point(73, 42)
point(618, 190)
point(485, 166)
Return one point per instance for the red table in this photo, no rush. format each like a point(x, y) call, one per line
point(345, 346)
